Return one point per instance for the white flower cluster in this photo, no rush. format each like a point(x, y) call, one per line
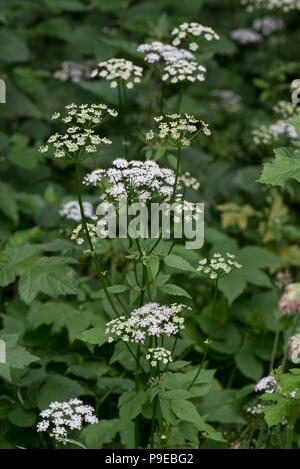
point(264, 135)
point(294, 348)
point(80, 138)
point(219, 265)
point(245, 36)
point(285, 5)
point(286, 109)
point(72, 71)
point(266, 384)
point(191, 33)
point(116, 70)
point(230, 101)
point(183, 70)
point(158, 355)
point(138, 181)
point(189, 181)
point(85, 116)
point(61, 418)
point(178, 130)
point(267, 25)
point(256, 409)
point(156, 51)
point(151, 320)
point(71, 210)
point(189, 210)
point(78, 232)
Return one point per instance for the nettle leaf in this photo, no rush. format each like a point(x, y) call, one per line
point(95, 336)
point(285, 166)
point(16, 356)
point(59, 315)
point(131, 404)
point(276, 412)
point(49, 275)
point(172, 289)
point(58, 388)
point(179, 263)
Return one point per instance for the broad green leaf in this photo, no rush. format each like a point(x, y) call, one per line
point(58, 388)
point(95, 336)
point(285, 166)
point(174, 290)
point(179, 263)
point(131, 404)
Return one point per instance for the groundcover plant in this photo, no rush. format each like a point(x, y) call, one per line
point(149, 224)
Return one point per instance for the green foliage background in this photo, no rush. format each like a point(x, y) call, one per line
point(50, 293)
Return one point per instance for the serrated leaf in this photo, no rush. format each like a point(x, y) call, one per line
point(48, 275)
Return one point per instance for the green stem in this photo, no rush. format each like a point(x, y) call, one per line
point(209, 337)
point(275, 345)
point(93, 253)
point(153, 422)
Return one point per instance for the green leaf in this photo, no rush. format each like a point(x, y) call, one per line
point(21, 417)
point(152, 262)
point(20, 154)
point(49, 275)
point(171, 289)
point(131, 404)
point(275, 413)
point(12, 49)
point(95, 336)
point(58, 388)
point(179, 263)
point(232, 285)
point(247, 363)
point(285, 166)
point(99, 434)
point(186, 411)
point(16, 355)
point(115, 289)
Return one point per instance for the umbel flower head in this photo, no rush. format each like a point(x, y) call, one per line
point(137, 181)
point(294, 348)
point(219, 265)
point(183, 70)
point(119, 70)
point(158, 355)
point(193, 33)
point(71, 210)
point(151, 320)
point(61, 418)
point(157, 51)
point(79, 139)
point(289, 303)
point(178, 130)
